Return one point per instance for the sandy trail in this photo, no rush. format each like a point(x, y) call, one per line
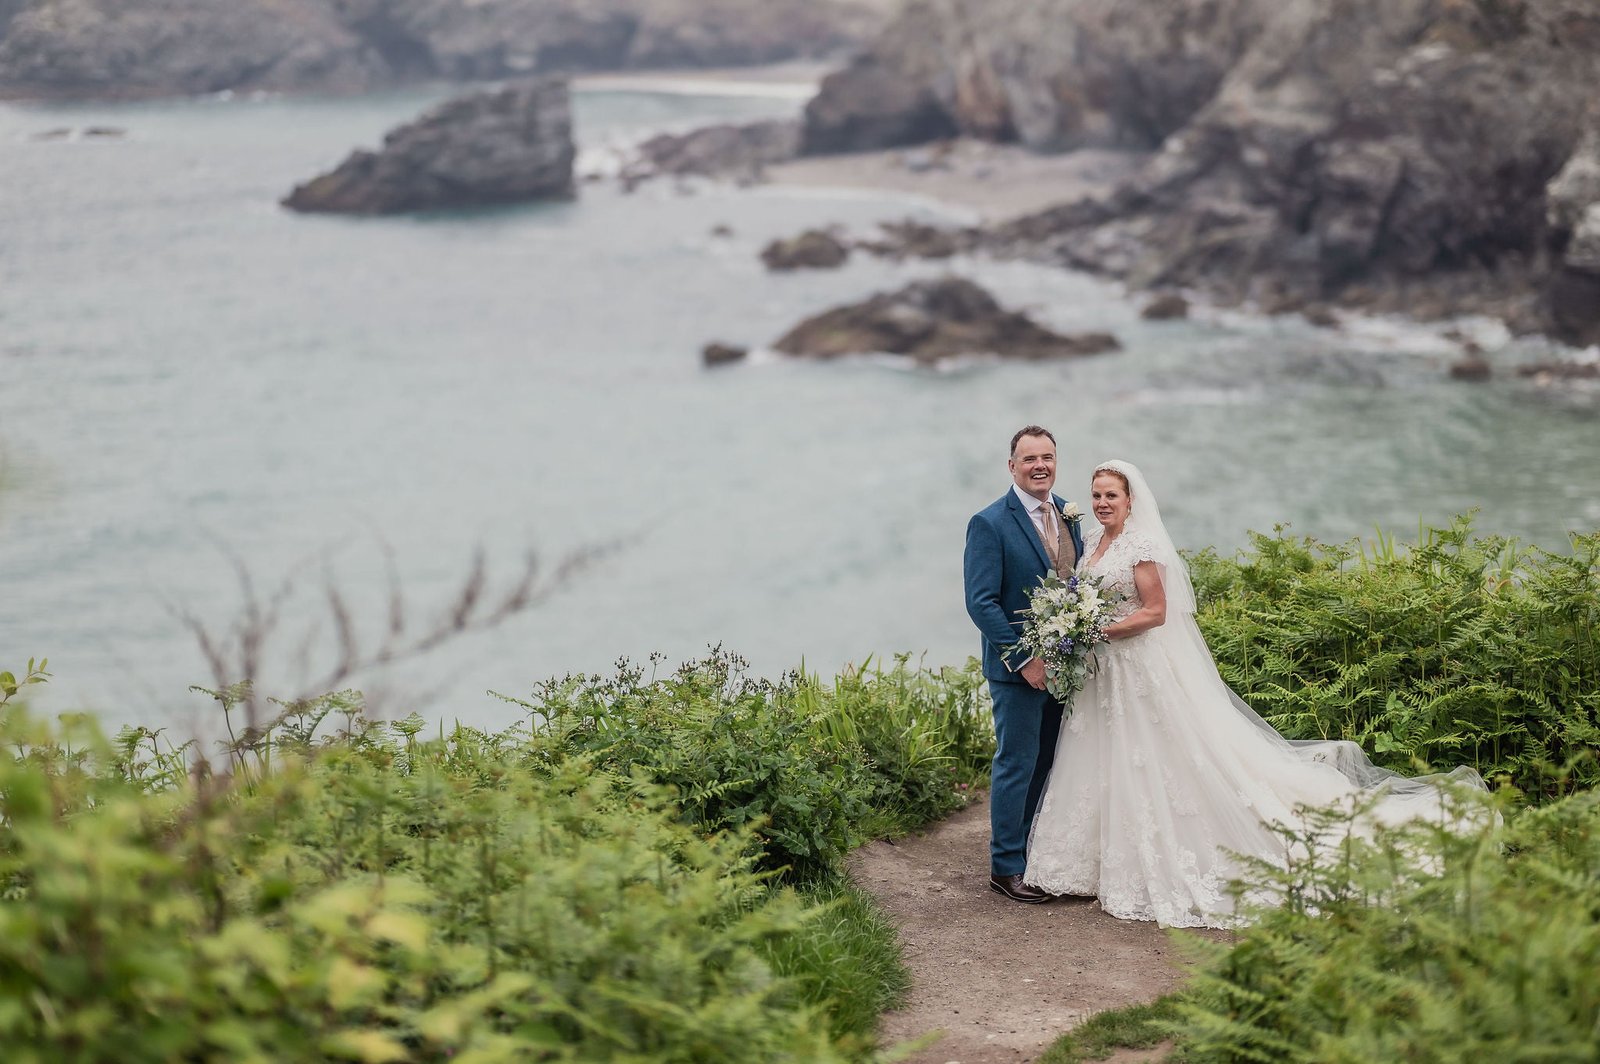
point(1002, 980)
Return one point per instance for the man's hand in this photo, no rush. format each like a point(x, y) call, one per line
point(1033, 672)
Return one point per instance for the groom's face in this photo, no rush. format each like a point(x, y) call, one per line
point(1033, 465)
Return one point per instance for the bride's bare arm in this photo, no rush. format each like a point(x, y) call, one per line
point(1153, 614)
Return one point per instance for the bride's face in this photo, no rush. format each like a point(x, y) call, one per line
point(1108, 496)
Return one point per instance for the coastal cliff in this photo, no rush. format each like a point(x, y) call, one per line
point(131, 48)
point(1415, 156)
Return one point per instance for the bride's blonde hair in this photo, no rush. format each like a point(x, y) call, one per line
point(1106, 471)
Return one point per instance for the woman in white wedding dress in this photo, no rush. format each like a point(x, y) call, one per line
point(1161, 770)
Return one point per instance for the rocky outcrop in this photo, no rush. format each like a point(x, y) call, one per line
point(1388, 155)
point(720, 354)
point(867, 106)
point(932, 320)
point(118, 48)
point(741, 152)
point(507, 146)
point(1169, 306)
point(814, 249)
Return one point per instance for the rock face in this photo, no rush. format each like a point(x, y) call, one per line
point(507, 146)
point(1396, 155)
point(932, 320)
point(119, 48)
point(867, 106)
point(1573, 213)
point(1053, 74)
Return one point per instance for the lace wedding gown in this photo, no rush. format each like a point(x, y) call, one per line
point(1161, 770)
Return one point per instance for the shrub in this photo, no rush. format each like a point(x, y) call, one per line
point(1459, 650)
point(383, 900)
point(928, 736)
point(1425, 946)
point(813, 769)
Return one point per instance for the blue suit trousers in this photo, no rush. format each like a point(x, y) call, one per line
point(1026, 725)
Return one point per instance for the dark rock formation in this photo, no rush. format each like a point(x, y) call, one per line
point(1168, 306)
point(868, 106)
point(117, 48)
point(1471, 368)
point(917, 240)
point(715, 354)
point(814, 249)
point(505, 146)
point(931, 320)
point(738, 151)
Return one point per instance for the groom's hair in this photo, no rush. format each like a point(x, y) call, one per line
point(1030, 430)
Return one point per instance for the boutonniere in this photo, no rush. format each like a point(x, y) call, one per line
point(1070, 513)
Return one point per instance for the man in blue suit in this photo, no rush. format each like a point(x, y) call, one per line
point(1011, 545)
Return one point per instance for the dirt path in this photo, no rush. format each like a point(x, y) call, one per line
point(1002, 980)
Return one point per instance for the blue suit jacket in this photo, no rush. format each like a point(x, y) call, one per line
point(1004, 560)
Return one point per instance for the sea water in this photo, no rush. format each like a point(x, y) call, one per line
point(207, 401)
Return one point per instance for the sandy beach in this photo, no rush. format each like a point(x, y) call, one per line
point(990, 182)
point(995, 182)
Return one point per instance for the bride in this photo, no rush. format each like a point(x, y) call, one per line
point(1162, 774)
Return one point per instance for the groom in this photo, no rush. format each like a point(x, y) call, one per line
point(1011, 544)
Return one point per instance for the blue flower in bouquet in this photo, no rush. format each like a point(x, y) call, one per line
point(1065, 620)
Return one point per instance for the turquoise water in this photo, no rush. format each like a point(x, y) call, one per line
point(195, 382)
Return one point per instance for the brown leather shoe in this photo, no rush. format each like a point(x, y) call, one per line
point(1014, 888)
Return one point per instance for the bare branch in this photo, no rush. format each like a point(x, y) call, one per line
point(243, 655)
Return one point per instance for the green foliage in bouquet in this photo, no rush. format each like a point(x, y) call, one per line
point(1460, 649)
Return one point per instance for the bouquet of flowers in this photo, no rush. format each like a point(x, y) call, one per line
point(1065, 619)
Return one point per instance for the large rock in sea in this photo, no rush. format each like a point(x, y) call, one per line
point(504, 146)
point(932, 320)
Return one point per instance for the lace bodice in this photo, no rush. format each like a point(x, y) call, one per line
point(1114, 569)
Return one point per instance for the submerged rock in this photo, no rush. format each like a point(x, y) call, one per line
point(815, 249)
point(911, 239)
point(1472, 367)
point(505, 146)
point(718, 354)
point(1168, 306)
point(932, 320)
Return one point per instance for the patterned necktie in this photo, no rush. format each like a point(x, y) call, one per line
point(1051, 535)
